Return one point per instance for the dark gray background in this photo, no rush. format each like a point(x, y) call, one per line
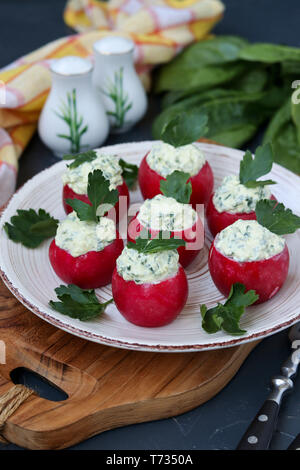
point(218, 424)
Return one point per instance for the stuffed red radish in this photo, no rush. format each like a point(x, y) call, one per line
point(253, 252)
point(149, 286)
point(87, 244)
point(85, 253)
point(163, 159)
point(170, 212)
point(75, 179)
point(237, 196)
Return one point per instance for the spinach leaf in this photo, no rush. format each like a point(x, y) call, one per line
point(269, 53)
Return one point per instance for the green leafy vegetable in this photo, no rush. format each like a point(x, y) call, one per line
point(239, 86)
point(253, 168)
point(269, 53)
point(162, 242)
point(176, 186)
point(78, 303)
point(227, 317)
point(184, 128)
point(99, 194)
point(130, 173)
point(31, 228)
point(80, 158)
point(276, 218)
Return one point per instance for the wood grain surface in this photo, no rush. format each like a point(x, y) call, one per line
point(106, 387)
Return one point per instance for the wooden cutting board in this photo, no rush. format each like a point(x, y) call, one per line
point(106, 387)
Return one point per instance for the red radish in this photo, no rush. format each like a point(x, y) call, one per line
point(89, 271)
point(150, 305)
point(202, 183)
point(194, 234)
point(217, 221)
point(266, 276)
point(68, 193)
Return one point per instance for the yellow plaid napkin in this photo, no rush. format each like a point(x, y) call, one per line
point(159, 28)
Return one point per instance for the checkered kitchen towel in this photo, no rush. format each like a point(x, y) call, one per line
point(159, 28)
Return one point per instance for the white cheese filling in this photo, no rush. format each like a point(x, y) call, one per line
point(165, 213)
point(164, 159)
point(234, 197)
point(149, 268)
point(247, 240)
point(78, 237)
point(77, 178)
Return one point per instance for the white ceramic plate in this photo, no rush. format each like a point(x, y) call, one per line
point(28, 274)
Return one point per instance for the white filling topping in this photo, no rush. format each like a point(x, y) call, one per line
point(234, 197)
point(147, 268)
point(165, 213)
point(247, 240)
point(164, 159)
point(77, 178)
point(79, 237)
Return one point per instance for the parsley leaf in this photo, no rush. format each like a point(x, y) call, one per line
point(276, 218)
point(227, 317)
point(130, 172)
point(31, 228)
point(99, 194)
point(185, 128)
point(78, 303)
point(88, 156)
point(176, 186)
point(162, 242)
point(253, 168)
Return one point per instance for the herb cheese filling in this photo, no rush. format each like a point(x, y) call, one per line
point(77, 178)
point(234, 197)
point(165, 213)
point(164, 159)
point(247, 240)
point(79, 237)
point(147, 268)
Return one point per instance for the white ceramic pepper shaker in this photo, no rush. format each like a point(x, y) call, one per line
point(115, 77)
point(73, 118)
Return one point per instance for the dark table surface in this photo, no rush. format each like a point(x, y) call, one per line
point(219, 423)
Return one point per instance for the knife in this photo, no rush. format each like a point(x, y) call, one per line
point(295, 445)
point(259, 434)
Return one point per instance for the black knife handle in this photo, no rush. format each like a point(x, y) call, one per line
point(295, 445)
point(259, 434)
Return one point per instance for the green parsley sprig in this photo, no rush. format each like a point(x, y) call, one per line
point(227, 317)
point(253, 168)
point(185, 128)
point(78, 303)
point(276, 218)
point(80, 158)
point(129, 172)
point(176, 186)
point(31, 228)
point(162, 242)
point(99, 194)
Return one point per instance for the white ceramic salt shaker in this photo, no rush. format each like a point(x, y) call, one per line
point(115, 77)
point(73, 118)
